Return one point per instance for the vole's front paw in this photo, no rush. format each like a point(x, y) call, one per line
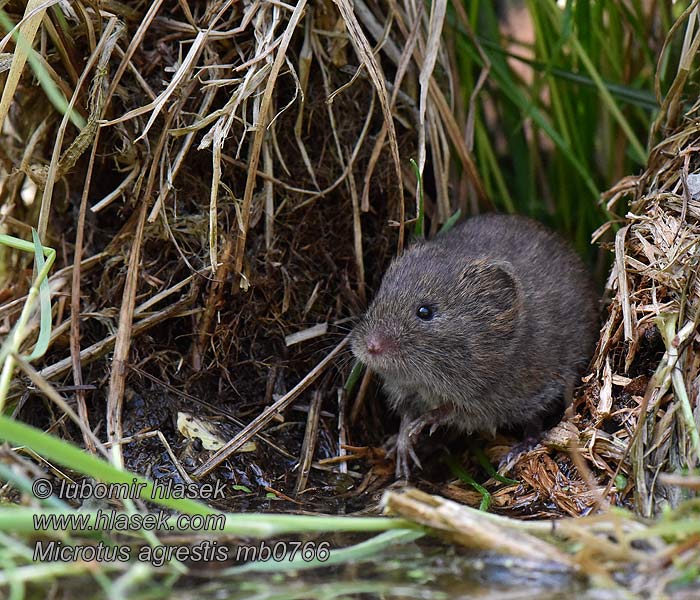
point(404, 451)
point(401, 447)
point(409, 430)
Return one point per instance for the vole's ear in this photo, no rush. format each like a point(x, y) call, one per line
point(492, 284)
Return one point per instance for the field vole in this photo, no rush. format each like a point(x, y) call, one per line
point(486, 327)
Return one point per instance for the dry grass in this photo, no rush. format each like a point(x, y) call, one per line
point(231, 186)
point(635, 426)
point(214, 203)
point(624, 556)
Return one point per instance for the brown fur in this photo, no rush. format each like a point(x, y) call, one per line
point(514, 325)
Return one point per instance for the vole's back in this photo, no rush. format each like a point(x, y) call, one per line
point(560, 301)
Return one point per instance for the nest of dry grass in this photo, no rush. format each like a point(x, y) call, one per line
point(648, 352)
point(633, 431)
point(229, 188)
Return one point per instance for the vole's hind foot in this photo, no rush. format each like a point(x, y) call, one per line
point(508, 461)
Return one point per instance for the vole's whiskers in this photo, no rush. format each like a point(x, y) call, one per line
point(315, 346)
point(345, 360)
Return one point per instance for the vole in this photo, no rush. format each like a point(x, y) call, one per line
point(487, 327)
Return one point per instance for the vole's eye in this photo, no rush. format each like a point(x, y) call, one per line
point(425, 312)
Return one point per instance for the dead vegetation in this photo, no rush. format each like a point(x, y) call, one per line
point(232, 184)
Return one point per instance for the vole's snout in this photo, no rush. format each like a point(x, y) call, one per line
point(377, 343)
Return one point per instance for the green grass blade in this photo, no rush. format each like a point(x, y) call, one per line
point(459, 472)
point(64, 453)
point(358, 552)
point(354, 377)
point(639, 97)
point(53, 93)
point(451, 222)
point(486, 465)
point(42, 343)
point(20, 519)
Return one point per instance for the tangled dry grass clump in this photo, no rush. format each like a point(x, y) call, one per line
point(225, 181)
point(636, 422)
point(651, 335)
point(221, 184)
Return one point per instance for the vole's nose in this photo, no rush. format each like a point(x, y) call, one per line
point(377, 344)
